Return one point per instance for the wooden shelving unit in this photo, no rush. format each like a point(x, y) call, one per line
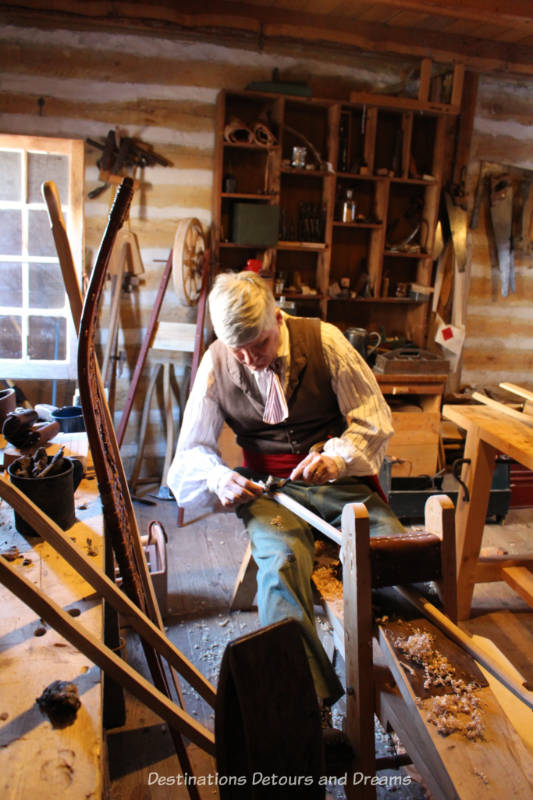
point(388, 151)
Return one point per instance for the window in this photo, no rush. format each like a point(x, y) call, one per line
point(37, 335)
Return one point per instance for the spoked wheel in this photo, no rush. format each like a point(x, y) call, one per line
point(187, 260)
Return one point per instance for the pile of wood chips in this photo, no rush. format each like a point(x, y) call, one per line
point(459, 709)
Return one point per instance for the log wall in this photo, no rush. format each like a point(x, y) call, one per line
point(163, 91)
point(499, 331)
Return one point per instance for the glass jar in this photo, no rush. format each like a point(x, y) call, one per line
point(348, 207)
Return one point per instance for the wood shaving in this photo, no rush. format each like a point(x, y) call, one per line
point(329, 586)
point(458, 711)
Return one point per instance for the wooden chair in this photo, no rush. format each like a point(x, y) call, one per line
point(368, 563)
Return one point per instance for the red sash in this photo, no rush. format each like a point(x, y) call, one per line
point(282, 464)
point(278, 464)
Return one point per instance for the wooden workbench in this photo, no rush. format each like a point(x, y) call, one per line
point(488, 433)
point(37, 759)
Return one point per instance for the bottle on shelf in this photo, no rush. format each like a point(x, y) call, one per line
point(348, 207)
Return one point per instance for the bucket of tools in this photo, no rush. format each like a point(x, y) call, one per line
point(50, 483)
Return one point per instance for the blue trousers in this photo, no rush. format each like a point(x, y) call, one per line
point(283, 549)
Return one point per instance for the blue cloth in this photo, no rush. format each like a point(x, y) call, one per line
point(283, 549)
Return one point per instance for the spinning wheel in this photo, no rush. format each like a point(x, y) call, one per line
point(188, 260)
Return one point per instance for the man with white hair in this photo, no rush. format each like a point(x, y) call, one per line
point(305, 406)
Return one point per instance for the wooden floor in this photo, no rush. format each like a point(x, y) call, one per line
point(204, 557)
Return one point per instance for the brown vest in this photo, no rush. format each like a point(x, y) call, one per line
point(314, 413)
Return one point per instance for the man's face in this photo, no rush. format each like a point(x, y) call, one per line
point(259, 353)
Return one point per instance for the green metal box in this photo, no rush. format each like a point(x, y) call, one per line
point(255, 224)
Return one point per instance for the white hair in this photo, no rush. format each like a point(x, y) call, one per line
point(242, 306)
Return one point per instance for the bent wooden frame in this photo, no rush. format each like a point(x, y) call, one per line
point(119, 517)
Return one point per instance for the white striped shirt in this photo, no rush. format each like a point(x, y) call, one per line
point(198, 468)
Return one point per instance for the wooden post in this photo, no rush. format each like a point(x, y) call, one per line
point(357, 582)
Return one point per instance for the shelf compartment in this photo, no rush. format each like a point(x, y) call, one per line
point(310, 120)
point(297, 268)
point(422, 156)
point(249, 108)
point(247, 167)
point(392, 135)
point(303, 208)
point(352, 125)
point(407, 209)
point(390, 318)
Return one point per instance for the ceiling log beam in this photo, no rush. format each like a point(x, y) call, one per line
point(271, 23)
point(513, 12)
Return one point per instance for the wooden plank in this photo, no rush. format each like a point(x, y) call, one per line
point(508, 641)
point(489, 568)
point(426, 66)
point(227, 18)
point(502, 408)
point(177, 336)
point(511, 638)
point(37, 758)
point(358, 642)
point(521, 580)
point(519, 390)
point(504, 434)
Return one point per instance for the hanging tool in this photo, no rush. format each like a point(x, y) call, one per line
point(501, 212)
point(522, 243)
point(119, 152)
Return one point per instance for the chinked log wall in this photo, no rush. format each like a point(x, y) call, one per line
point(163, 91)
point(499, 331)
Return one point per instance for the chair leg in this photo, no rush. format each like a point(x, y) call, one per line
point(360, 704)
point(439, 513)
point(245, 587)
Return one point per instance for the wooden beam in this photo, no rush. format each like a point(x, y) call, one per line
point(263, 23)
point(514, 13)
point(521, 580)
point(510, 412)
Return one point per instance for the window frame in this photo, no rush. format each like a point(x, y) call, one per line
point(43, 369)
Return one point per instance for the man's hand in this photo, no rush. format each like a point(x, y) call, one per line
point(316, 468)
point(236, 489)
